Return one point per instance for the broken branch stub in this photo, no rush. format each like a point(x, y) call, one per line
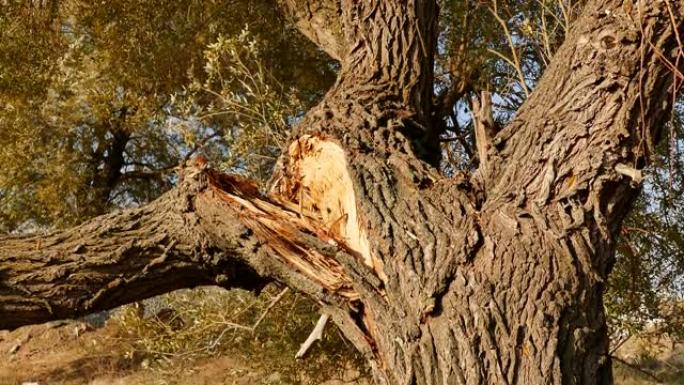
point(315, 181)
point(212, 229)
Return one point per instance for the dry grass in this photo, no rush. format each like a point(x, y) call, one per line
point(649, 359)
point(204, 336)
point(194, 325)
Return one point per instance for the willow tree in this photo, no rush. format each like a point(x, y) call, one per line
point(490, 277)
point(86, 113)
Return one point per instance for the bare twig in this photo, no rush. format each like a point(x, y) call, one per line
point(515, 61)
point(619, 344)
point(637, 368)
point(270, 306)
point(316, 334)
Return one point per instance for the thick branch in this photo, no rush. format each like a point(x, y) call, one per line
point(319, 21)
point(385, 86)
point(212, 229)
point(110, 261)
point(598, 108)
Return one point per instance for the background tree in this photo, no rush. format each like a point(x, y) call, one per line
point(93, 126)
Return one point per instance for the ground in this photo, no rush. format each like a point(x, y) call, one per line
point(187, 337)
point(75, 353)
point(72, 353)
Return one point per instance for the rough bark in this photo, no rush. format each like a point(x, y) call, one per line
point(492, 279)
point(318, 20)
point(211, 230)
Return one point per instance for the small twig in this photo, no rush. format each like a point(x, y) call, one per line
point(515, 62)
point(270, 306)
point(619, 344)
point(316, 334)
point(229, 326)
point(670, 66)
point(637, 229)
point(233, 326)
point(637, 368)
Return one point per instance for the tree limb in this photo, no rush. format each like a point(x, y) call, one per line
point(212, 229)
point(485, 129)
point(598, 108)
point(320, 22)
point(111, 260)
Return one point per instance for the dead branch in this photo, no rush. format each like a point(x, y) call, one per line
point(316, 334)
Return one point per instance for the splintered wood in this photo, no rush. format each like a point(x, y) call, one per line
point(313, 195)
point(316, 179)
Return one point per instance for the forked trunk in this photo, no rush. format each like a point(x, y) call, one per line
point(494, 278)
point(497, 279)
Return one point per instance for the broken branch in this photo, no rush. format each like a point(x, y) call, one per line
point(316, 334)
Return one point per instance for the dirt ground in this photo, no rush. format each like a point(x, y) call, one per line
point(74, 353)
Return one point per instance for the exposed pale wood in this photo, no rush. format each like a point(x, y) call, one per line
point(317, 182)
point(316, 335)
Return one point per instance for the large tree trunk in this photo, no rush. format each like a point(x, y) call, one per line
point(491, 279)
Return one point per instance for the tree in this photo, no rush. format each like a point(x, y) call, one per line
point(494, 276)
point(87, 118)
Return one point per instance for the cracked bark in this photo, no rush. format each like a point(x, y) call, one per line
point(435, 281)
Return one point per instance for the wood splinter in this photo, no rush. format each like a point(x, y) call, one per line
point(316, 334)
point(632, 173)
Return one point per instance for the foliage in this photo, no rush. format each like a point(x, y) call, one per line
point(88, 117)
point(241, 102)
point(192, 324)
